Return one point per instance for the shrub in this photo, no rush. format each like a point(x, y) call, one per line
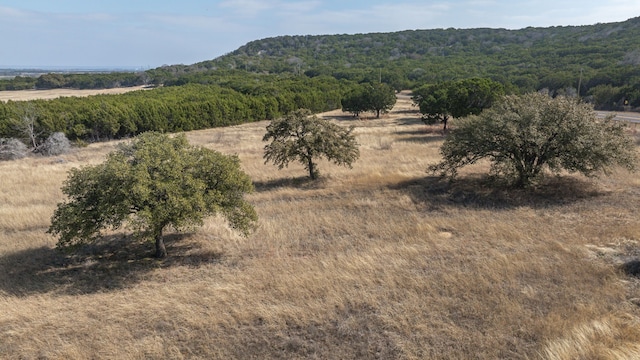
point(12, 149)
point(56, 144)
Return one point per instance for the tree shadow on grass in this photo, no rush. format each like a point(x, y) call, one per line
point(414, 120)
point(346, 117)
point(424, 134)
point(112, 263)
point(631, 268)
point(484, 192)
point(420, 138)
point(302, 182)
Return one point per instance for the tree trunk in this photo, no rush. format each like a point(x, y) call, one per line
point(444, 121)
point(312, 170)
point(161, 251)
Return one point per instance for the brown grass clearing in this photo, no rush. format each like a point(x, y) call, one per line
point(380, 261)
point(25, 95)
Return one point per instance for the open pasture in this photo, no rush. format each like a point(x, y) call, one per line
point(379, 261)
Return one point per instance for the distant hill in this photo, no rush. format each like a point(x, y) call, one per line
point(558, 58)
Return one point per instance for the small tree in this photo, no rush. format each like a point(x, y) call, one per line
point(381, 98)
point(26, 124)
point(152, 183)
point(302, 137)
point(376, 97)
point(523, 135)
point(355, 102)
point(439, 102)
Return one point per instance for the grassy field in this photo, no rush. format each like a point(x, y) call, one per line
point(24, 95)
point(381, 261)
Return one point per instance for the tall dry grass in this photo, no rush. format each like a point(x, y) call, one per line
point(381, 261)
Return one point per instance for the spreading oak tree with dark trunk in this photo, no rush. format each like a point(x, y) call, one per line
point(151, 184)
point(522, 136)
point(305, 138)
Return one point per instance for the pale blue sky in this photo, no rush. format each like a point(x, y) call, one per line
point(150, 33)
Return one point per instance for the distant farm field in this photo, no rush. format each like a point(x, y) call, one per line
point(25, 95)
point(382, 261)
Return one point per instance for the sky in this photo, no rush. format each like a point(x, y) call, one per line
point(151, 33)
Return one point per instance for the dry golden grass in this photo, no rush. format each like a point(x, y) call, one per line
point(381, 261)
point(24, 95)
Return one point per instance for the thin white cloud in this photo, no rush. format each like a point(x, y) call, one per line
point(193, 23)
point(247, 8)
point(261, 8)
point(299, 7)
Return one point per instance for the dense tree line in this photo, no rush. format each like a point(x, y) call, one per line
point(76, 81)
point(18, 83)
point(441, 101)
point(170, 109)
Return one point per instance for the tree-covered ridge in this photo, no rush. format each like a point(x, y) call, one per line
point(558, 58)
point(583, 45)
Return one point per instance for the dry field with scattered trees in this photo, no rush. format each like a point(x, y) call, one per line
point(380, 261)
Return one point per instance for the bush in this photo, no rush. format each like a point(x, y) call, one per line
point(56, 144)
point(12, 149)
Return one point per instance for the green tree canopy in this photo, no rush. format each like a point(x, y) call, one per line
point(355, 102)
point(376, 97)
point(523, 135)
point(152, 183)
point(439, 102)
point(302, 137)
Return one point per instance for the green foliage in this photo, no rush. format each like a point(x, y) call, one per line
point(227, 101)
point(523, 135)
point(376, 97)
point(355, 102)
point(90, 81)
point(18, 83)
point(50, 81)
point(439, 102)
point(304, 138)
point(381, 97)
point(559, 58)
point(152, 183)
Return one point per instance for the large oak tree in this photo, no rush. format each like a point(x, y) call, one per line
point(524, 135)
point(153, 183)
